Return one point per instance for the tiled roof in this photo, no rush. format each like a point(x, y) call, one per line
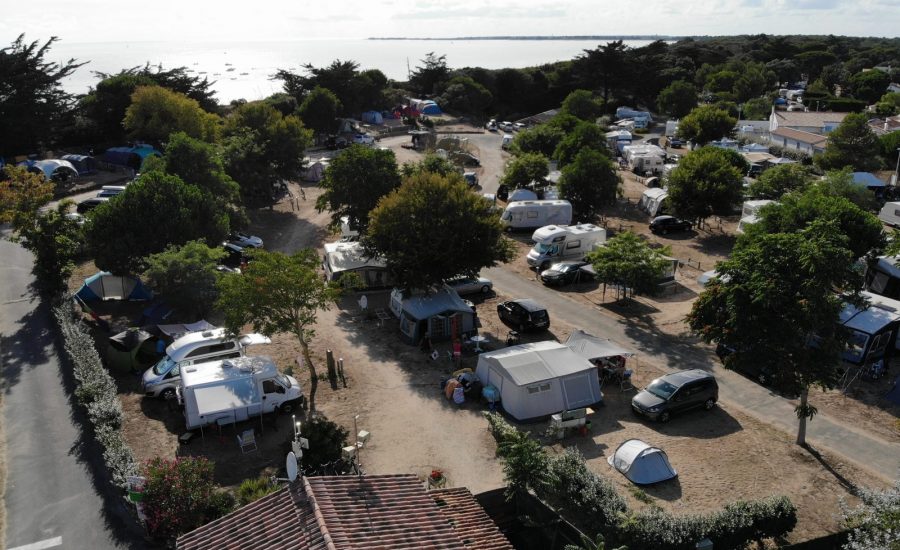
point(390, 512)
point(472, 524)
point(801, 118)
point(801, 136)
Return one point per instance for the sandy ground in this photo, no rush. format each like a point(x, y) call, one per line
point(720, 456)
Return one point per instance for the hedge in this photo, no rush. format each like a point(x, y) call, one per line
point(96, 392)
point(592, 503)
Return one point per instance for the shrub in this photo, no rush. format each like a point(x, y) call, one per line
point(326, 440)
point(254, 489)
point(96, 392)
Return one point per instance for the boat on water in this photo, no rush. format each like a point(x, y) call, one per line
point(244, 74)
point(229, 69)
point(228, 64)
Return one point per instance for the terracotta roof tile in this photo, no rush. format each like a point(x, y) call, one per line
point(472, 524)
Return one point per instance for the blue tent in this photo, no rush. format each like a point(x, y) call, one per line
point(372, 117)
point(132, 157)
point(106, 286)
point(867, 179)
point(431, 108)
point(83, 163)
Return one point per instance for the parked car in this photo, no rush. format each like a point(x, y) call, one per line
point(110, 190)
point(364, 139)
point(669, 224)
point(336, 142)
point(676, 143)
point(562, 273)
point(471, 178)
point(518, 126)
point(751, 369)
point(470, 285)
point(675, 393)
point(235, 257)
point(506, 126)
point(524, 314)
point(244, 240)
point(89, 204)
point(492, 125)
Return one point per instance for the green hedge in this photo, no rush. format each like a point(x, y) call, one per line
point(96, 392)
point(593, 504)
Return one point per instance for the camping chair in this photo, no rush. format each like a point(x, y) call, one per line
point(625, 380)
point(247, 441)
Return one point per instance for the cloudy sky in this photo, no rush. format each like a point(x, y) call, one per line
point(204, 20)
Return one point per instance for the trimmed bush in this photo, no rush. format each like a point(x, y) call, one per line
point(96, 392)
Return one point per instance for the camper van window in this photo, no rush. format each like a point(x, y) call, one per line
point(547, 248)
point(538, 389)
point(163, 366)
point(574, 244)
point(283, 380)
point(897, 212)
point(269, 386)
point(879, 282)
point(879, 345)
point(508, 216)
point(532, 214)
point(176, 371)
point(856, 345)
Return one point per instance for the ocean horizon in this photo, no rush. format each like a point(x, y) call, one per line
point(243, 70)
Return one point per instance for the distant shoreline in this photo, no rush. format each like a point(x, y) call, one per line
point(585, 37)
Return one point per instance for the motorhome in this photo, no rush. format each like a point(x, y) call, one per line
point(163, 378)
point(534, 214)
point(235, 390)
point(890, 214)
point(555, 243)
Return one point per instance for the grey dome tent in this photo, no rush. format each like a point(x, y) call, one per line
point(641, 463)
point(130, 349)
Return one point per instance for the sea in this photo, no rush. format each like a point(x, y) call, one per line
point(243, 70)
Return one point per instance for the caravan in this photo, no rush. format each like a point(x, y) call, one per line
point(653, 201)
point(554, 243)
point(890, 214)
point(750, 213)
point(534, 214)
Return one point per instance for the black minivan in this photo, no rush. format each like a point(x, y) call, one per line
point(675, 393)
point(524, 314)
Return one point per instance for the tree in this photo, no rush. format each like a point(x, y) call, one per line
point(431, 228)
point(704, 183)
point(356, 90)
point(279, 293)
point(586, 135)
point(199, 163)
point(431, 74)
point(773, 297)
point(464, 96)
point(875, 523)
point(106, 104)
point(156, 211)
point(587, 543)
point(757, 108)
point(33, 106)
point(430, 163)
point(890, 147)
point(542, 139)
point(186, 275)
point(524, 169)
point(852, 144)
point(888, 105)
point(778, 180)
point(355, 181)
point(869, 85)
point(156, 112)
point(581, 104)
point(22, 193)
point(706, 123)
point(628, 262)
point(180, 495)
point(604, 67)
point(677, 99)
point(262, 148)
point(320, 109)
point(524, 463)
point(589, 182)
point(55, 240)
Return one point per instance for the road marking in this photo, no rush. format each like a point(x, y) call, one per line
point(41, 544)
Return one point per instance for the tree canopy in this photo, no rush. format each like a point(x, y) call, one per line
point(778, 180)
point(586, 135)
point(589, 182)
point(156, 112)
point(524, 169)
point(431, 228)
point(462, 95)
point(55, 240)
point(431, 163)
point(851, 144)
point(627, 261)
point(320, 109)
point(677, 99)
point(430, 74)
point(582, 104)
point(356, 90)
point(186, 276)
point(706, 123)
point(704, 183)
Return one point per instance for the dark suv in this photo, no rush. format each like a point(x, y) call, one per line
point(666, 224)
point(675, 393)
point(524, 315)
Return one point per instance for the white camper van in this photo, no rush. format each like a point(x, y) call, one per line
point(890, 214)
point(162, 379)
point(234, 390)
point(555, 243)
point(534, 214)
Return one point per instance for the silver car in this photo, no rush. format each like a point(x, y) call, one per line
point(470, 285)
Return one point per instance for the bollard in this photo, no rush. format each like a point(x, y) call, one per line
point(341, 372)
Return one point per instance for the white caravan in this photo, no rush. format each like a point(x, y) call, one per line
point(890, 214)
point(162, 379)
point(534, 214)
point(234, 390)
point(555, 243)
point(750, 213)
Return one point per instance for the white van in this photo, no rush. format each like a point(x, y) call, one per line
point(555, 243)
point(534, 214)
point(163, 378)
point(507, 141)
point(110, 190)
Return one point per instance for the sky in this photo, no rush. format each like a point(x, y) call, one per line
point(76, 21)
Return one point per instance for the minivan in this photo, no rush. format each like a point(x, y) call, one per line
point(675, 393)
point(163, 378)
point(524, 314)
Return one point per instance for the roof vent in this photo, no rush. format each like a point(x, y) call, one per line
point(207, 334)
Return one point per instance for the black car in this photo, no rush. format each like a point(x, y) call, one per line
point(668, 224)
point(89, 204)
point(676, 143)
point(675, 393)
point(563, 273)
point(524, 314)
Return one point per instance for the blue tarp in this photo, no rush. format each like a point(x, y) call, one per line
point(868, 179)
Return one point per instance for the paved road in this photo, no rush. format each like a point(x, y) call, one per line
point(824, 432)
point(51, 500)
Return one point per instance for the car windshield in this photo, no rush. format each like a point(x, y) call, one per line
point(283, 380)
point(662, 389)
point(164, 365)
point(543, 248)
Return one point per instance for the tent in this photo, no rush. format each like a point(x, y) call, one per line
point(652, 200)
point(539, 379)
point(131, 157)
point(868, 180)
point(315, 170)
point(641, 463)
point(372, 117)
point(83, 163)
point(178, 330)
point(52, 169)
point(592, 348)
point(344, 257)
point(131, 349)
point(442, 314)
point(105, 286)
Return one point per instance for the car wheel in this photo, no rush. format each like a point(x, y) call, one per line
point(664, 416)
point(167, 394)
point(485, 289)
point(709, 403)
point(286, 408)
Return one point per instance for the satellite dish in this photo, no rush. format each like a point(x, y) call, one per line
point(291, 465)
